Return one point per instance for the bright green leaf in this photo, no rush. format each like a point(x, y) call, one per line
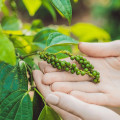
point(32, 6)
point(42, 36)
point(7, 51)
point(57, 38)
point(88, 32)
point(16, 106)
point(11, 23)
point(1, 4)
point(64, 6)
point(48, 114)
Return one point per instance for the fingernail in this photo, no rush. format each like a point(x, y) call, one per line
point(52, 99)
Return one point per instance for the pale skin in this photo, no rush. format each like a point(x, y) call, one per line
point(106, 59)
point(70, 108)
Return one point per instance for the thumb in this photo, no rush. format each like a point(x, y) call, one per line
point(108, 49)
point(79, 108)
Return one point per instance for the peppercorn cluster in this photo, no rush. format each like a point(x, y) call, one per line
point(86, 66)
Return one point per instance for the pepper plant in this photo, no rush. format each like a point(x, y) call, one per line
point(20, 47)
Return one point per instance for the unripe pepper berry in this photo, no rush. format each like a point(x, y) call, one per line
point(72, 57)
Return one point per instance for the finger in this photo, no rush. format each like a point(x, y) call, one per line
point(65, 115)
point(46, 68)
point(50, 78)
point(92, 98)
point(67, 87)
point(79, 108)
point(100, 49)
point(44, 89)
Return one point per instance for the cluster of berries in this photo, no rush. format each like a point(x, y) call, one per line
point(86, 67)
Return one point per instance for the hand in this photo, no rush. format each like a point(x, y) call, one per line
point(71, 108)
point(106, 60)
point(45, 91)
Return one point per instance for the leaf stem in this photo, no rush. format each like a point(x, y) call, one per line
point(40, 96)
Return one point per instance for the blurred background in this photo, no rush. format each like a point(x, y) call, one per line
point(102, 13)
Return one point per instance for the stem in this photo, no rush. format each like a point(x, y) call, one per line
point(23, 57)
point(40, 96)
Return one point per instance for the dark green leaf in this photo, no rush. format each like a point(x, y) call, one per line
point(57, 38)
point(48, 114)
point(17, 106)
point(7, 51)
point(64, 6)
point(11, 23)
point(12, 78)
point(50, 8)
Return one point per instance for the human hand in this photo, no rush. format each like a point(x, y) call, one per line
point(70, 108)
point(106, 59)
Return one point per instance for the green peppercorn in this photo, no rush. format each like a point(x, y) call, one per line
point(92, 67)
point(48, 61)
point(52, 58)
point(97, 76)
point(87, 65)
point(84, 59)
point(83, 66)
point(59, 68)
point(74, 65)
point(81, 58)
point(42, 56)
point(94, 73)
point(98, 73)
point(62, 63)
point(66, 69)
point(78, 72)
point(57, 64)
point(48, 54)
point(68, 64)
point(72, 57)
point(81, 61)
point(52, 63)
point(86, 69)
point(76, 69)
point(82, 73)
point(95, 80)
point(85, 62)
point(56, 60)
point(72, 71)
point(77, 58)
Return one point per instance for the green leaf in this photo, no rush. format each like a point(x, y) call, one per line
point(64, 6)
point(12, 78)
point(57, 38)
point(7, 51)
point(16, 106)
point(87, 32)
point(11, 23)
point(48, 114)
point(32, 6)
point(1, 4)
point(42, 36)
point(50, 8)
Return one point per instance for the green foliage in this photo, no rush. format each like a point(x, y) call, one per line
point(32, 6)
point(48, 114)
point(7, 51)
point(88, 32)
point(56, 39)
point(25, 42)
point(64, 6)
point(10, 23)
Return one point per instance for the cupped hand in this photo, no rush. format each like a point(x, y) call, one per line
point(106, 59)
point(70, 108)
